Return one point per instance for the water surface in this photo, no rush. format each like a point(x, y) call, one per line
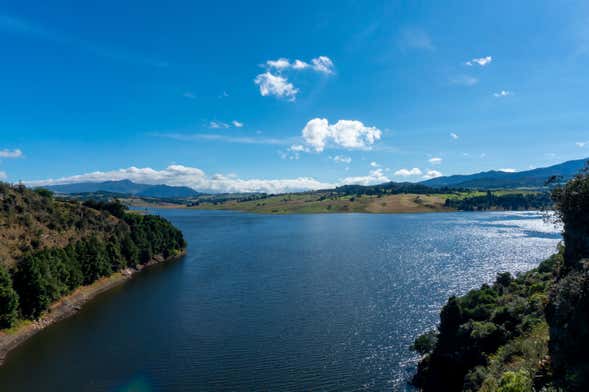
point(279, 303)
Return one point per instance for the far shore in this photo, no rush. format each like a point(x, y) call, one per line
point(69, 305)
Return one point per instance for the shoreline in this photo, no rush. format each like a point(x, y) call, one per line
point(71, 304)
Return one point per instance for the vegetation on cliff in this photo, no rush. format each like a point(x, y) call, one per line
point(50, 247)
point(524, 333)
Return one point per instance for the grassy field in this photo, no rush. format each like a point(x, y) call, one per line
point(323, 202)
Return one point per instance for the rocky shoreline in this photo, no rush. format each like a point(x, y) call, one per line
point(70, 305)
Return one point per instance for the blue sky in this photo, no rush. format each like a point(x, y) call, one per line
point(211, 95)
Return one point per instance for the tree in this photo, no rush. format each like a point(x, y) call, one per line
point(8, 300)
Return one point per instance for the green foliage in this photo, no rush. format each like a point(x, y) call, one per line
point(512, 201)
point(425, 343)
point(8, 300)
point(112, 240)
point(477, 325)
point(519, 381)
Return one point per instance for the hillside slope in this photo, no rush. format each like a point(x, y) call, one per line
point(49, 247)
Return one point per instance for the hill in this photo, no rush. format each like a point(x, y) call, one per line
point(494, 179)
point(126, 187)
point(50, 247)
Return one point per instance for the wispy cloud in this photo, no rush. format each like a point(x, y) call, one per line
point(454, 136)
point(435, 160)
point(341, 159)
point(15, 25)
point(482, 61)
point(189, 95)
point(11, 153)
point(581, 144)
point(3, 175)
point(415, 38)
point(237, 124)
point(464, 80)
point(214, 137)
point(508, 170)
point(502, 93)
point(218, 125)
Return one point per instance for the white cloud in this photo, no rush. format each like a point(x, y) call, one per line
point(581, 144)
point(502, 93)
point(276, 85)
point(279, 64)
point(298, 64)
point(189, 95)
point(454, 136)
point(508, 170)
point(193, 177)
point(432, 174)
point(3, 175)
point(298, 148)
point(350, 134)
point(11, 153)
point(375, 176)
point(374, 164)
point(322, 64)
point(218, 125)
point(179, 175)
point(408, 172)
point(237, 124)
point(482, 61)
point(341, 159)
point(435, 160)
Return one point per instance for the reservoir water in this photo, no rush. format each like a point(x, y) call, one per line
point(280, 303)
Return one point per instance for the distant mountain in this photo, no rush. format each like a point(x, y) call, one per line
point(126, 187)
point(499, 179)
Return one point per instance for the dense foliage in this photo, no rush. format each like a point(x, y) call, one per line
point(114, 239)
point(473, 327)
point(568, 309)
point(512, 202)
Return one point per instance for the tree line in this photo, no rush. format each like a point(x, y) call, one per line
point(43, 276)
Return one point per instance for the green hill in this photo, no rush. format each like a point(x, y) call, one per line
point(49, 247)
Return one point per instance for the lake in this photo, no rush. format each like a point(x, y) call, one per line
point(280, 303)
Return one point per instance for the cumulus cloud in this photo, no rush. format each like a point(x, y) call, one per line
point(502, 93)
point(275, 85)
point(11, 153)
point(273, 82)
point(322, 64)
point(374, 164)
point(408, 172)
point(350, 134)
point(341, 159)
point(435, 160)
point(432, 174)
point(482, 61)
point(454, 136)
point(375, 176)
point(298, 64)
point(508, 170)
point(237, 124)
point(195, 178)
point(279, 64)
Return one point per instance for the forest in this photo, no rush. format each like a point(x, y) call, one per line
point(51, 247)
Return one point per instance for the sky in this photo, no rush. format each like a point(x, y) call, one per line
point(270, 96)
